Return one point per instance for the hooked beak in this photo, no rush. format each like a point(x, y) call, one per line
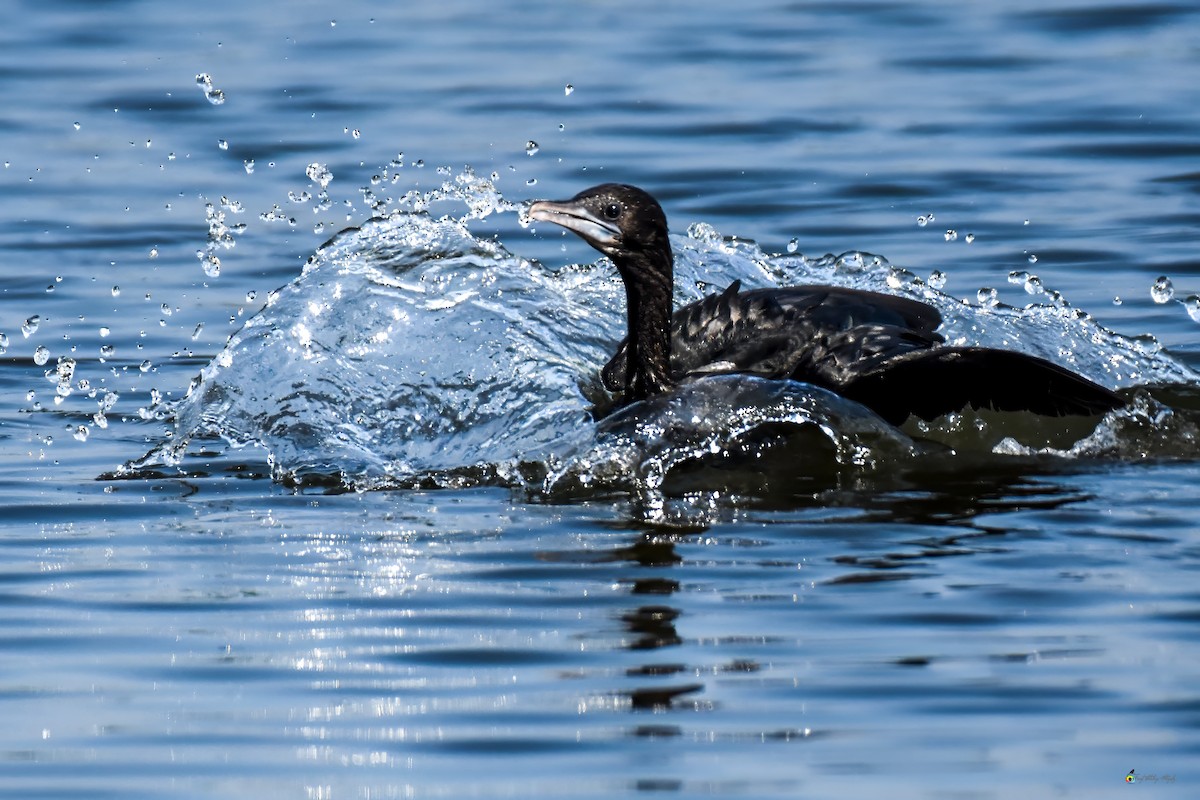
point(597, 232)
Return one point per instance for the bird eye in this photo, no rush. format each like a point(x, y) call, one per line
point(612, 211)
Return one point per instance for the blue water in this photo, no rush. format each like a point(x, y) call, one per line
point(287, 584)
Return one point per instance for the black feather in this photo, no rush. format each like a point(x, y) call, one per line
point(878, 349)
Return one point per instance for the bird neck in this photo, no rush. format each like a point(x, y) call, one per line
point(648, 294)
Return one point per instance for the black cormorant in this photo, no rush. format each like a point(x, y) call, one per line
point(879, 350)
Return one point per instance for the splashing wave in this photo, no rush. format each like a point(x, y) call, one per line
point(411, 351)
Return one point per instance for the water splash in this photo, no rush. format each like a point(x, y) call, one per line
point(410, 351)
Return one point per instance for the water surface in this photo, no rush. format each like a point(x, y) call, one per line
point(593, 613)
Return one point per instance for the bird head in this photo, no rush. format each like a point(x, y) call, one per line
point(621, 221)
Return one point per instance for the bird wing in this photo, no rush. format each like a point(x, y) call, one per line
point(811, 333)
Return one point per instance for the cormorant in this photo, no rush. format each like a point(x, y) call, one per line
point(879, 350)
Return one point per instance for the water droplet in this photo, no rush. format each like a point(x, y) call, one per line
point(210, 264)
point(153, 252)
point(1163, 290)
point(144, 366)
point(793, 245)
point(1117, 300)
point(116, 291)
point(951, 235)
point(41, 355)
point(251, 296)
point(1192, 304)
point(1033, 285)
point(937, 279)
point(970, 238)
point(531, 182)
point(104, 332)
point(356, 133)
point(81, 433)
point(319, 174)
point(29, 327)
point(222, 144)
point(214, 95)
point(1032, 258)
point(249, 165)
point(3, 343)
point(77, 126)
point(1026, 222)
point(196, 332)
point(107, 351)
point(568, 89)
point(988, 297)
point(50, 289)
point(531, 147)
point(922, 221)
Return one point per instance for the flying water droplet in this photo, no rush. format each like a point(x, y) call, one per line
point(222, 144)
point(568, 89)
point(951, 235)
point(104, 332)
point(214, 95)
point(196, 332)
point(30, 326)
point(319, 174)
point(249, 165)
point(1032, 258)
point(41, 355)
point(107, 351)
point(793, 245)
point(970, 237)
point(1163, 290)
point(81, 433)
point(988, 297)
point(531, 147)
point(937, 279)
point(211, 264)
point(1192, 304)
point(3, 343)
point(116, 291)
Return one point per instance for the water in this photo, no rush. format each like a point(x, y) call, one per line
point(522, 602)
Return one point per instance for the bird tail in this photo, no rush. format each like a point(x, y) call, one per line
point(931, 383)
